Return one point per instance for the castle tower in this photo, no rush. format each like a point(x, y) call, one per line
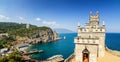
point(90, 42)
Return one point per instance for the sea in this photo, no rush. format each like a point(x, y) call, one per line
point(66, 46)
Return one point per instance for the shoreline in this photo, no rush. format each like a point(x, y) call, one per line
point(110, 51)
point(113, 52)
point(110, 56)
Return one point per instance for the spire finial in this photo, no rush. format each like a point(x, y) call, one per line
point(90, 12)
point(78, 24)
point(96, 12)
point(103, 23)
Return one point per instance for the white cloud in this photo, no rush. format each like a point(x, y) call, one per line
point(7, 18)
point(4, 17)
point(38, 19)
point(21, 18)
point(50, 23)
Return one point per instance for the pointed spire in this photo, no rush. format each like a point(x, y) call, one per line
point(103, 23)
point(90, 12)
point(96, 12)
point(78, 24)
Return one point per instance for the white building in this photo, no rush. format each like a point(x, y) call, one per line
point(27, 25)
point(90, 42)
point(3, 51)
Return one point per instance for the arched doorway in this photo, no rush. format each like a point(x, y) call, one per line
point(85, 56)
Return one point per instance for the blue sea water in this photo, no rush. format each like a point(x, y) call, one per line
point(66, 47)
point(112, 41)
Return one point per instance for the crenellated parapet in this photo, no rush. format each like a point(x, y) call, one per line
point(87, 40)
point(92, 30)
point(93, 26)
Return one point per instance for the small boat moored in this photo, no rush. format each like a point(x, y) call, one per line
point(55, 57)
point(64, 37)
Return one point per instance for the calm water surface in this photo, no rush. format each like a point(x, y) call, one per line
point(66, 47)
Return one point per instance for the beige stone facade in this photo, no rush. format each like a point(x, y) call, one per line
point(90, 42)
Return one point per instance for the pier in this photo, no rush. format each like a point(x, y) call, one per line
point(60, 59)
point(55, 58)
point(34, 51)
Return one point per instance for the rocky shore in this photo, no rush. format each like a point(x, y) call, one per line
point(46, 36)
point(42, 36)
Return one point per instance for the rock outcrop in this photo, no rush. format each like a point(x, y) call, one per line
point(44, 36)
point(27, 33)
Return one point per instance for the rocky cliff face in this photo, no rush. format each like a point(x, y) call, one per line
point(45, 36)
point(33, 33)
point(42, 36)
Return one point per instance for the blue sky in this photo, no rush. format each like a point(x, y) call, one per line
point(60, 13)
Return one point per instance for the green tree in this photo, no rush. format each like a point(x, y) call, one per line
point(13, 57)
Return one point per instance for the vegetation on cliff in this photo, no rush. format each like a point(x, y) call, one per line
point(6, 41)
point(20, 29)
point(44, 34)
point(13, 57)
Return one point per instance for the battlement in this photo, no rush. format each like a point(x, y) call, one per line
point(90, 42)
point(93, 25)
point(92, 35)
point(86, 40)
point(101, 29)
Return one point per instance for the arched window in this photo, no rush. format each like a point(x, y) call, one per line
point(85, 53)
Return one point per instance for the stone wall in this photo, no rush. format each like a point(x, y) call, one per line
point(91, 48)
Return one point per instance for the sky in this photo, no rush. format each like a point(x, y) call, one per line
point(61, 13)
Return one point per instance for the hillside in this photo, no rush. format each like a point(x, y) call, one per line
point(45, 34)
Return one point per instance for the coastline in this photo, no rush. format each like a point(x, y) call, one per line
point(110, 56)
point(114, 52)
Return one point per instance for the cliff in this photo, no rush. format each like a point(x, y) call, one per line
point(45, 36)
point(31, 33)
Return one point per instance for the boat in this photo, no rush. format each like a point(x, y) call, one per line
point(55, 57)
point(64, 37)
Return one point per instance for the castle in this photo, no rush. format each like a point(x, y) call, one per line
point(90, 42)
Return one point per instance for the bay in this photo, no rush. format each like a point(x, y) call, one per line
point(66, 46)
